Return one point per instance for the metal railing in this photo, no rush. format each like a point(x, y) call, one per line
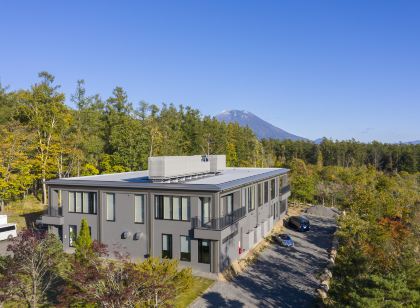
point(285, 189)
point(221, 222)
point(55, 211)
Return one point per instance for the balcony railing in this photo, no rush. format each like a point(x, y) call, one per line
point(55, 212)
point(219, 223)
point(285, 189)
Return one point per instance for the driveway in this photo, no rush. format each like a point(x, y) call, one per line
point(280, 277)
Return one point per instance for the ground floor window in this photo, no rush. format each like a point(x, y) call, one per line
point(185, 248)
point(167, 246)
point(204, 251)
point(72, 235)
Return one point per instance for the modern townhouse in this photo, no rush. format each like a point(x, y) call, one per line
point(192, 208)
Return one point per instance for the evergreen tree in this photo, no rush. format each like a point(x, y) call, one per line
point(83, 243)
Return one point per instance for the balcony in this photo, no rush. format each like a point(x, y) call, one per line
point(54, 216)
point(219, 223)
point(285, 192)
point(217, 228)
point(285, 189)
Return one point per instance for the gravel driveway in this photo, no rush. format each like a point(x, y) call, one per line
point(281, 277)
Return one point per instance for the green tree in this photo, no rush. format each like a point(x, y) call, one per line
point(83, 243)
point(43, 110)
point(164, 281)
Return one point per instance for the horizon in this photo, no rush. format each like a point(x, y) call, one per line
point(306, 68)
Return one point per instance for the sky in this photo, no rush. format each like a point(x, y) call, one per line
point(339, 69)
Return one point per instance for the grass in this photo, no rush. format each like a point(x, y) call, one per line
point(199, 286)
point(24, 212)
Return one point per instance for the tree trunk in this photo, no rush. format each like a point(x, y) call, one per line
point(1, 205)
point(34, 303)
point(44, 189)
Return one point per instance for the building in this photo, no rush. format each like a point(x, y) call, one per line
point(192, 208)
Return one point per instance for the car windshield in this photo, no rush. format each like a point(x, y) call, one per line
point(284, 237)
point(303, 219)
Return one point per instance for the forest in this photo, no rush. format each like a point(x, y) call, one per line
point(376, 184)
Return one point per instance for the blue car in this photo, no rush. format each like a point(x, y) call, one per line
point(284, 240)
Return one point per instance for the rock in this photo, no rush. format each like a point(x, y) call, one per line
point(322, 294)
point(325, 287)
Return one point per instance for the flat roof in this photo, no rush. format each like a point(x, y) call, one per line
point(226, 179)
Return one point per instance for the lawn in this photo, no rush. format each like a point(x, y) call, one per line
point(24, 212)
point(199, 286)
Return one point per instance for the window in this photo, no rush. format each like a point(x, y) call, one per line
point(159, 207)
point(167, 246)
point(172, 208)
point(110, 207)
point(139, 209)
point(205, 210)
point(265, 191)
point(79, 202)
point(273, 189)
point(8, 228)
point(82, 202)
point(260, 194)
point(72, 208)
point(249, 198)
point(185, 209)
point(72, 235)
point(204, 251)
point(228, 204)
point(167, 210)
point(282, 181)
point(185, 248)
point(176, 208)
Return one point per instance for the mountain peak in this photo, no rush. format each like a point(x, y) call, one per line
point(261, 128)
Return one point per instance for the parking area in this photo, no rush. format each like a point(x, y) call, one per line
point(281, 276)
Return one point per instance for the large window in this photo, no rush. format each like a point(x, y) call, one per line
point(167, 246)
point(204, 251)
point(110, 207)
point(172, 208)
point(82, 202)
point(185, 248)
point(205, 210)
point(72, 235)
point(249, 198)
point(273, 189)
point(282, 181)
point(265, 191)
point(260, 194)
point(139, 209)
point(228, 204)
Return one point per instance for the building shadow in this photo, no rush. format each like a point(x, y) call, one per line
point(216, 300)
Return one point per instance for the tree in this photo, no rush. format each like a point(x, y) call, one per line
point(32, 269)
point(163, 281)
point(83, 243)
point(43, 110)
point(15, 164)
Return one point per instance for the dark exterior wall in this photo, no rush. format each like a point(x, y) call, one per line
point(150, 242)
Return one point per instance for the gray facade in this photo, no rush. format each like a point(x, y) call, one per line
point(235, 219)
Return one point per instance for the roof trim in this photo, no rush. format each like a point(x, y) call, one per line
point(171, 186)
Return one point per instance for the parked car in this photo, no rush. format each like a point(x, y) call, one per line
point(7, 230)
point(299, 223)
point(284, 240)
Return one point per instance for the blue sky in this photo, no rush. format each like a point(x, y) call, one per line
point(339, 69)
